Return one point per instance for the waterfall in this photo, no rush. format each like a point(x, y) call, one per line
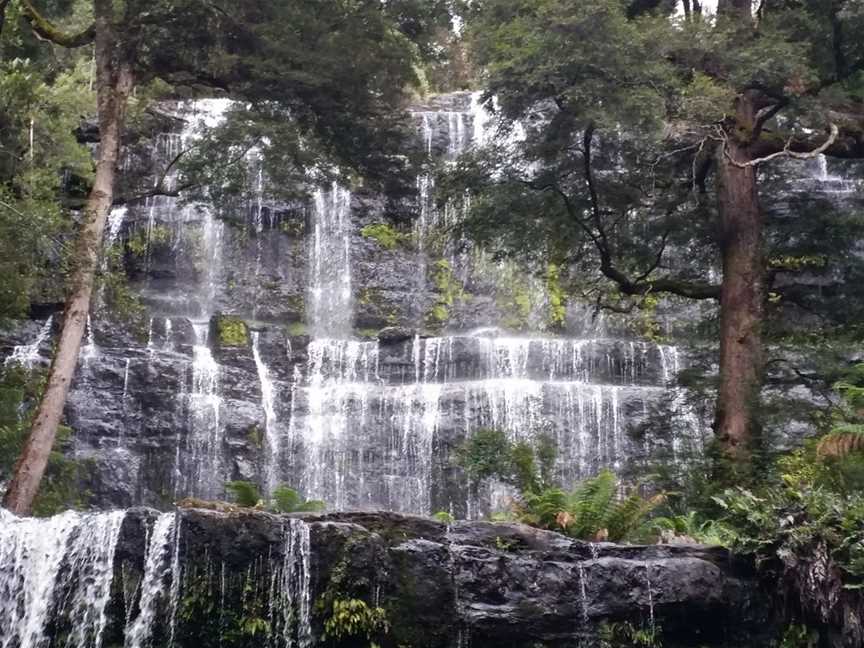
point(89, 351)
point(268, 404)
point(338, 384)
point(291, 592)
point(27, 355)
point(56, 570)
point(330, 309)
point(158, 568)
point(204, 444)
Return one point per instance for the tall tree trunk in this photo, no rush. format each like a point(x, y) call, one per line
point(742, 301)
point(114, 84)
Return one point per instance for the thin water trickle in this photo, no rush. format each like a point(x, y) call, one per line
point(295, 588)
point(27, 355)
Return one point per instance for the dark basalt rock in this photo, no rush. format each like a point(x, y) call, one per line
point(395, 334)
point(499, 584)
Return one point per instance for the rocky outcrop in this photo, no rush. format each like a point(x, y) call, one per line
point(471, 583)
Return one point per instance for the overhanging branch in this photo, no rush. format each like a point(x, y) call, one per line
point(46, 30)
point(786, 152)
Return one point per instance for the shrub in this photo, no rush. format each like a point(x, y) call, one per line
point(288, 500)
point(245, 493)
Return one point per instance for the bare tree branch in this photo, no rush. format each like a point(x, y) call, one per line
point(786, 152)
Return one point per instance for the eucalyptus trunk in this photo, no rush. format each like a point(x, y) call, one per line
point(114, 80)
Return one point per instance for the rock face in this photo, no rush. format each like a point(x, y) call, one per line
point(246, 579)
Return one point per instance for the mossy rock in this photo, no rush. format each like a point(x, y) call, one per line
point(230, 332)
point(385, 235)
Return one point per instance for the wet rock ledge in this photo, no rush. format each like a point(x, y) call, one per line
point(248, 578)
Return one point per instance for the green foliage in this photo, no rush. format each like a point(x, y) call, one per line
point(385, 235)
point(847, 434)
point(288, 500)
point(627, 635)
point(690, 527)
point(60, 488)
point(592, 511)
point(444, 517)
point(489, 453)
point(355, 619)
point(296, 329)
point(449, 291)
point(144, 240)
point(246, 494)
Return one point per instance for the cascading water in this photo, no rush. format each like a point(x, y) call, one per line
point(204, 445)
point(268, 404)
point(27, 355)
point(158, 569)
point(363, 436)
point(330, 264)
point(290, 591)
point(54, 572)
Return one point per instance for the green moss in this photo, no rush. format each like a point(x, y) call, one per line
point(368, 333)
point(231, 331)
point(296, 304)
point(293, 227)
point(370, 297)
point(296, 329)
point(253, 434)
point(385, 235)
point(449, 291)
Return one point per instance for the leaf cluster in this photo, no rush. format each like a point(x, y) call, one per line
point(285, 499)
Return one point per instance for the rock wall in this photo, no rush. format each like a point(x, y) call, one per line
point(236, 579)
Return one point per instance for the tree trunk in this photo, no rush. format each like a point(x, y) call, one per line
point(114, 83)
point(742, 300)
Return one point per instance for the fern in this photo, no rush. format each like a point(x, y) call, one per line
point(245, 493)
point(847, 436)
point(842, 440)
point(288, 500)
point(591, 511)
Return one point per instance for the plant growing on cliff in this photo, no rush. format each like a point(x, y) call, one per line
point(385, 235)
point(628, 635)
point(355, 620)
point(288, 500)
point(246, 494)
point(489, 453)
point(594, 510)
point(847, 434)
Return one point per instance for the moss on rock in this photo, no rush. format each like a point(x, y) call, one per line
point(231, 331)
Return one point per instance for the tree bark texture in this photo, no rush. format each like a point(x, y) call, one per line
point(114, 85)
point(742, 299)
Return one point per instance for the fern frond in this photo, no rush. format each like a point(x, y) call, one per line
point(842, 441)
point(590, 502)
